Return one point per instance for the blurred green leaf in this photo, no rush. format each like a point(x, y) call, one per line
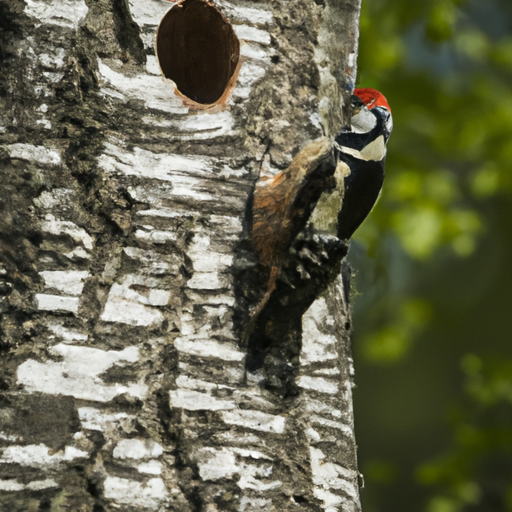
point(391, 342)
point(502, 53)
point(419, 228)
point(485, 181)
point(441, 21)
point(439, 504)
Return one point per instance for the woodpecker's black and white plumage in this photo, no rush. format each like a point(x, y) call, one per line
point(332, 191)
point(302, 219)
point(359, 173)
point(312, 208)
point(363, 149)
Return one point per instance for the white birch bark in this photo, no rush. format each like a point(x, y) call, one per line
point(123, 383)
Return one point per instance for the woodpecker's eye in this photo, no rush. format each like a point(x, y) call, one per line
point(357, 103)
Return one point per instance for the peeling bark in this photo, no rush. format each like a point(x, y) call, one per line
point(123, 227)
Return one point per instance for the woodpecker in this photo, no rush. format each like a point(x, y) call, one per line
point(329, 188)
point(302, 219)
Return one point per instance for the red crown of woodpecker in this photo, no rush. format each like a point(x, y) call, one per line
point(372, 98)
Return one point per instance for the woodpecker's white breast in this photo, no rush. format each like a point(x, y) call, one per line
point(363, 121)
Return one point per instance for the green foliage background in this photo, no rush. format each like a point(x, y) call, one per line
point(433, 301)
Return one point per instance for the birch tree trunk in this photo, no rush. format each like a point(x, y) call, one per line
point(124, 212)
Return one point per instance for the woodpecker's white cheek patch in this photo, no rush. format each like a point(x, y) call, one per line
point(363, 121)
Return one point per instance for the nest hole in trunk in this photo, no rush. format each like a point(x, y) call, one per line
point(198, 50)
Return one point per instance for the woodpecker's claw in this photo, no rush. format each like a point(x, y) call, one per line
point(306, 254)
point(309, 256)
point(303, 272)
